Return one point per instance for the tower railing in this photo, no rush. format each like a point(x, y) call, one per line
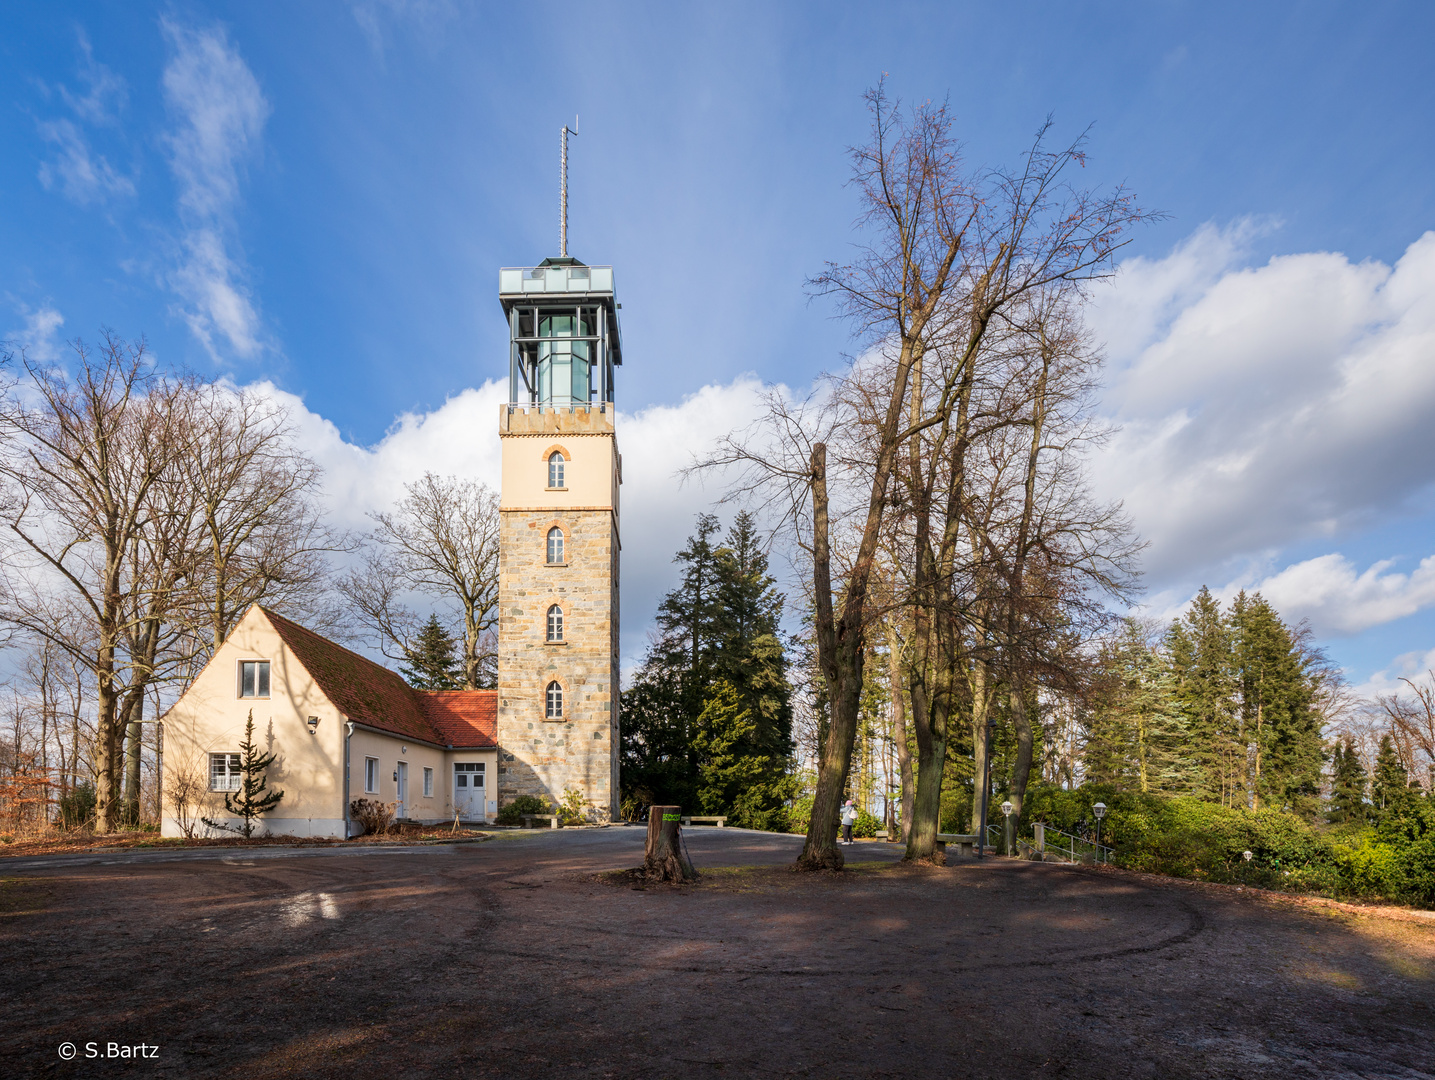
point(516, 280)
point(560, 407)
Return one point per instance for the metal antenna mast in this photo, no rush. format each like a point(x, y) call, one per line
point(563, 190)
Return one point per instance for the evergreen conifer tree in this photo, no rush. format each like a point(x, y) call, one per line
point(429, 661)
point(1199, 647)
point(1279, 724)
point(1347, 789)
point(1390, 785)
point(253, 799)
point(721, 625)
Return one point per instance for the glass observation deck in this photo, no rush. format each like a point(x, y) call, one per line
point(563, 334)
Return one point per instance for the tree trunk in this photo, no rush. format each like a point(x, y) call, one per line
point(931, 728)
point(133, 747)
point(899, 733)
point(980, 704)
point(1021, 768)
point(664, 859)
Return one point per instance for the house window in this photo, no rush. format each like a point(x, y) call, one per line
point(554, 709)
point(555, 623)
point(371, 774)
point(428, 783)
point(254, 678)
point(223, 772)
point(555, 545)
point(555, 469)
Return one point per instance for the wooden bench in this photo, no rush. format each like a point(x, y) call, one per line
point(529, 819)
point(964, 841)
point(721, 822)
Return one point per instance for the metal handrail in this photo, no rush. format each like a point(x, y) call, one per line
point(1102, 852)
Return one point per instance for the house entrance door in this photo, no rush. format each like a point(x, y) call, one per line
point(468, 790)
point(403, 774)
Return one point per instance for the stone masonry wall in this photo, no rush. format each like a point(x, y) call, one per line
point(539, 756)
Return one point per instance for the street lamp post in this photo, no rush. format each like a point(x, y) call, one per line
point(1100, 811)
point(1008, 840)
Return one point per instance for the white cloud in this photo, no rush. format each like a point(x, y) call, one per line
point(218, 113)
point(461, 438)
point(40, 337)
point(1338, 598)
point(1261, 406)
point(1415, 666)
point(77, 171)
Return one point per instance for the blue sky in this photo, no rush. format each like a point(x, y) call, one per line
point(320, 196)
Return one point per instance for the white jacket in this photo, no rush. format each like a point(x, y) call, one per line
point(849, 815)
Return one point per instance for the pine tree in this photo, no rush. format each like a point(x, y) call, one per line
point(1390, 785)
point(429, 661)
point(1199, 647)
point(734, 778)
point(1279, 723)
point(721, 625)
point(253, 798)
point(1347, 789)
point(1137, 734)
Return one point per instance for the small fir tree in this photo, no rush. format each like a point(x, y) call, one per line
point(253, 799)
point(429, 662)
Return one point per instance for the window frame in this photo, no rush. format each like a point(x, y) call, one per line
point(262, 667)
point(552, 693)
point(557, 471)
point(560, 548)
point(371, 776)
point(233, 773)
point(554, 627)
point(428, 782)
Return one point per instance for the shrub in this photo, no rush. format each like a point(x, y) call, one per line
point(376, 817)
point(571, 808)
point(867, 825)
point(512, 812)
point(77, 806)
point(1186, 837)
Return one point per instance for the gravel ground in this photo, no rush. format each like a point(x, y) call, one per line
point(519, 958)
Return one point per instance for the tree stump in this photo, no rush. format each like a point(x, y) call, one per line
point(664, 859)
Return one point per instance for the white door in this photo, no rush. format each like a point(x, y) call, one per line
point(403, 774)
point(468, 790)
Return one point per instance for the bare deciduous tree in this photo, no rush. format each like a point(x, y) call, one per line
point(440, 540)
point(80, 455)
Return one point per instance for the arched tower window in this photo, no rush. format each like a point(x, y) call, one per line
point(555, 545)
point(555, 623)
point(555, 470)
point(553, 709)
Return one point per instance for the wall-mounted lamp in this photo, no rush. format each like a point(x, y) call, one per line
point(403, 749)
point(396, 776)
point(313, 724)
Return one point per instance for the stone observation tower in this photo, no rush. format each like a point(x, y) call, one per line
point(559, 544)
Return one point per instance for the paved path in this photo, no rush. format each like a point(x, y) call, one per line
point(514, 958)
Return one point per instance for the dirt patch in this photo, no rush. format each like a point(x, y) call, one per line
point(532, 958)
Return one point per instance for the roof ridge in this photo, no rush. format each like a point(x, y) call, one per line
point(333, 644)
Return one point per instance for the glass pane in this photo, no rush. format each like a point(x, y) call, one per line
point(263, 678)
point(461, 780)
point(246, 680)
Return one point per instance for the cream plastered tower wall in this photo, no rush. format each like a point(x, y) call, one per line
point(537, 755)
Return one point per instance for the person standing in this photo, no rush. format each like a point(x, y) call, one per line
point(849, 818)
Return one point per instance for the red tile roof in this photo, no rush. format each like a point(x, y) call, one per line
point(371, 694)
point(466, 718)
point(361, 689)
